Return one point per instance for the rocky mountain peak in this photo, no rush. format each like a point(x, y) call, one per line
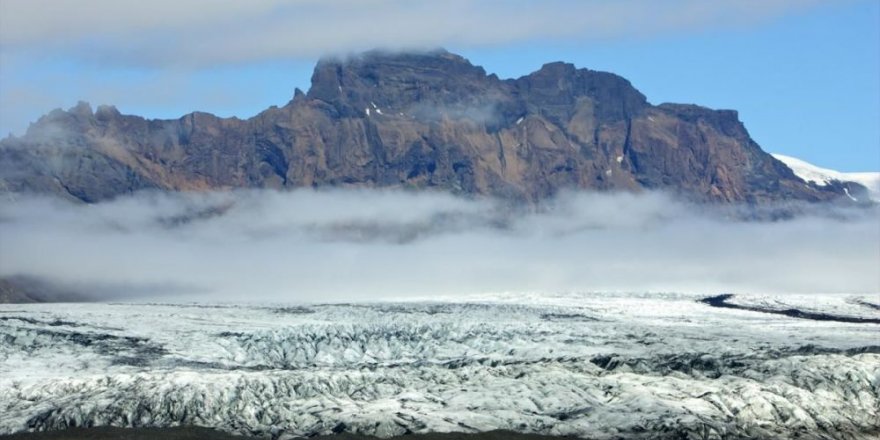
point(557, 69)
point(376, 66)
point(419, 120)
point(82, 109)
point(557, 87)
point(107, 113)
point(379, 82)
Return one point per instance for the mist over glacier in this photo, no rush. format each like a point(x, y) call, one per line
point(341, 245)
point(425, 312)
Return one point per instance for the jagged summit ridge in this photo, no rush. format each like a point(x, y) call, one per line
point(417, 120)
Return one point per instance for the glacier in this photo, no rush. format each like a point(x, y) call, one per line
point(824, 176)
point(599, 366)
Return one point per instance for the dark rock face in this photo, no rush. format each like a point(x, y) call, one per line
point(23, 290)
point(416, 121)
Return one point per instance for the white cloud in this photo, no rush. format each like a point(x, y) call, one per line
point(152, 57)
point(357, 245)
point(317, 246)
point(205, 32)
point(146, 55)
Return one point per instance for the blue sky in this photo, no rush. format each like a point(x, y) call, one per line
point(804, 74)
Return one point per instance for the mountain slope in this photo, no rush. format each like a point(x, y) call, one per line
point(824, 177)
point(429, 120)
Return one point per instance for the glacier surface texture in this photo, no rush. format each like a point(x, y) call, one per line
point(597, 366)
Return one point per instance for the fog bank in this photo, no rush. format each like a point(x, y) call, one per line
point(356, 245)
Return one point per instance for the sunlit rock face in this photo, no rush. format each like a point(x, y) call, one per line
point(416, 120)
point(598, 366)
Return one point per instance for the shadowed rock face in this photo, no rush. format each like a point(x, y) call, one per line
point(414, 120)
point(23, 290)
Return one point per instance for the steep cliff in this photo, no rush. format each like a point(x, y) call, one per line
point(415, 121)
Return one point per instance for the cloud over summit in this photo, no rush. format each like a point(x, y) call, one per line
point(200, 33)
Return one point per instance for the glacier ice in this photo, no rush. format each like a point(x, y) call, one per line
point(598, 366)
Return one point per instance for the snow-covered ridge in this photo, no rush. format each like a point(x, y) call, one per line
point(623, 366)
point(823, 176)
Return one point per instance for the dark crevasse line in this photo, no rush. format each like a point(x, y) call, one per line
point(714, 366)
point(53, 323)
point(867, 304)
point(720, 301)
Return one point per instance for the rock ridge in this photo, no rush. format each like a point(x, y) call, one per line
point(416, 120)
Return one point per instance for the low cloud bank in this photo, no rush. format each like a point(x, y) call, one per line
point(315, 246)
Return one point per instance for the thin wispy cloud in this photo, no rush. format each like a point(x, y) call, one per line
point(166, 58)
point(203, 32)
point(369, 245)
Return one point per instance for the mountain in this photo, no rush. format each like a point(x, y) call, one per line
point(23, 289)
point(825, 177)
point(416, 120)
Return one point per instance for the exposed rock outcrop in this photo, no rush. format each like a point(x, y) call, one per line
point(415, 120)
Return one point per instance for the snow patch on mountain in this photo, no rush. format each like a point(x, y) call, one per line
point(824, 176)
